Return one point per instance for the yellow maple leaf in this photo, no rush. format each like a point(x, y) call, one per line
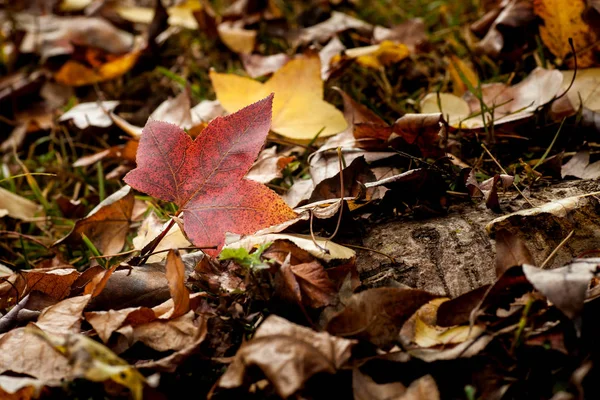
point(299, 111)
point(562, 20)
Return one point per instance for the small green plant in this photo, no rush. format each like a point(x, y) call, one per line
point(245, 259)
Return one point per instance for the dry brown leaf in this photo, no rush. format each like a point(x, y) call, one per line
point(162, 335)
point(511, 250)
point(107, 224)
point(306, 284)
point(65, 316)
point(563, 21)
point(423, 388)
point(377, 315)
point(365, 388)
point(175, 273)
point(288, 355)
point(16, 350)
point(107, 322)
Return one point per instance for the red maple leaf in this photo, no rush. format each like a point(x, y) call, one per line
point(205, 177)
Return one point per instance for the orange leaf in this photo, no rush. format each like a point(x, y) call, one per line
point(175, 271)
point(562, 20)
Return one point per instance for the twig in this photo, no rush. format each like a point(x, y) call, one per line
point(506, 173)
point(560, 245)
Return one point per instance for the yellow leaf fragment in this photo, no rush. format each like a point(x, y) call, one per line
point(73, 73)
point(299, 111)
point(562, 20)
point(379, 55)
point(181, 15)
point(237, 39)
point(460, 72)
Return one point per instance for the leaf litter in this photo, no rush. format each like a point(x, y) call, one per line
point(185, 193)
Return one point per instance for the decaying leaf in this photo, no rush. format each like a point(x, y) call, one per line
point(175, 273)
point(299, 111)
point(107, 224)
point(288, 355)
point(92, 360)
point(306, 283)
point(257, 65)
point(377, 315)
point(209, 187)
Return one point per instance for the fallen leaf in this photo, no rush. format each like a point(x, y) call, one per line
point(52, 35)
point(559, 208)
point(560, 26)
point(321, 32)
point(172, 361)
point(18, 207)
point(379, 55)
point(423, 330)
point(459, 72)
point(175, 273)
point(332, 251)
point(308, 283)
point(411, 33)
point(180, 15)
point(511, 250)
point(107, 224)
point(288, 355)
point(365, 388)
point(423, 388)
point(64, 316)
point(327, 54)
point(509, 103)
point(579, 166)
point(236, 38)
point(377, 315)
point(299, 111)
point(20, 388)
point(566, 286)
point(257, 65)
point(501, 23)
point(150, 229)
point(92, 360)
point(85, 115)
point(144, 285)
point(73, 73)
point(268, 166)
point(208, 188)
